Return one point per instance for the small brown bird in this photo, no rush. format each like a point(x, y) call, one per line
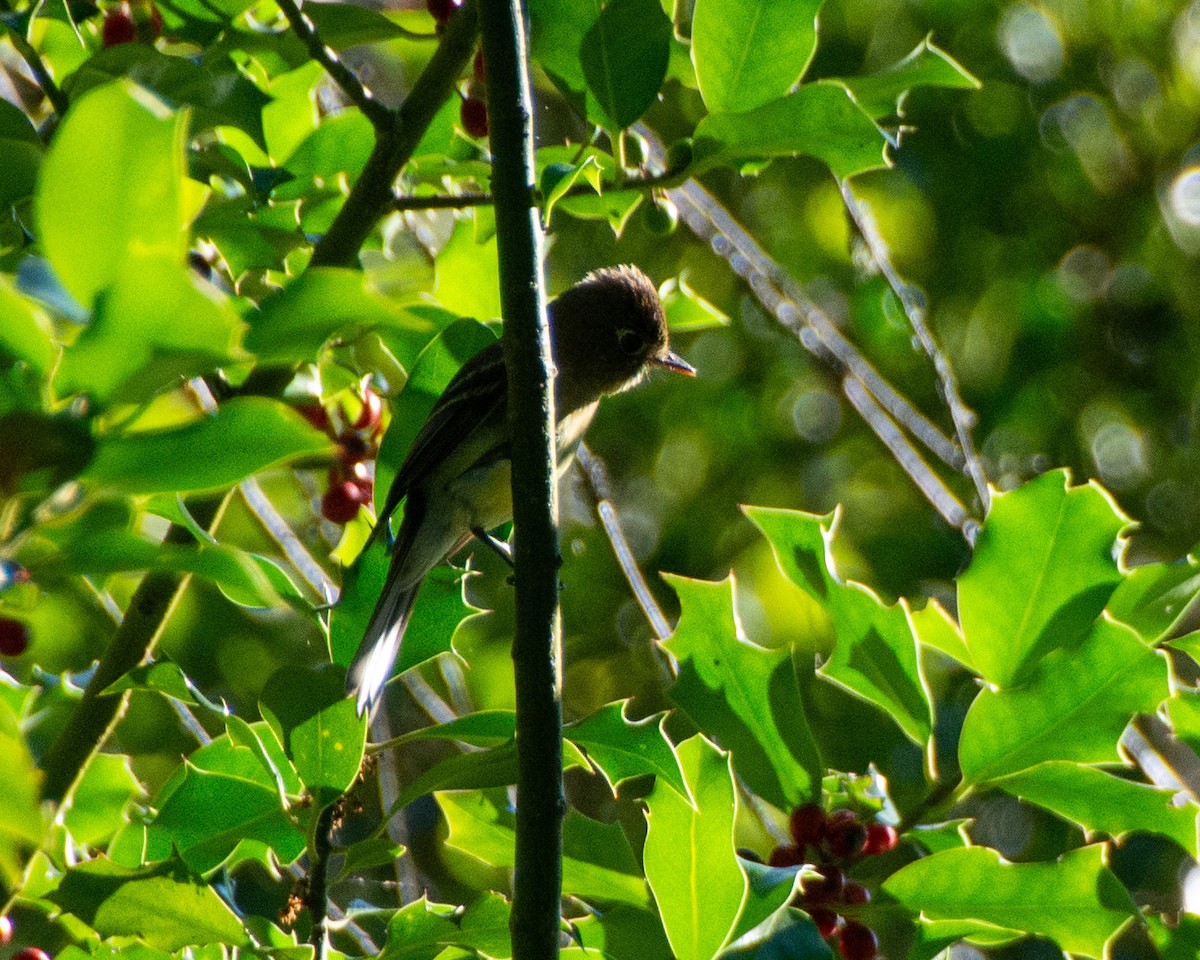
point(607, 331)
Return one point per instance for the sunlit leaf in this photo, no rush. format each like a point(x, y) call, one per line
point(1042, 570)
point(883, 93)
point(623, 748)
point(749, 52)
point(689, 856)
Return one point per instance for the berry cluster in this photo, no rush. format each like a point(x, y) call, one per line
point(351, 480)
point(829, 842)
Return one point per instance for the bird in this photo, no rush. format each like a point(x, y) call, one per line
point(607, 333)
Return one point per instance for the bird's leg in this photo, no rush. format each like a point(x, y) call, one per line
point(498, 546)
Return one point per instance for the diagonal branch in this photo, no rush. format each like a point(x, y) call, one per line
point(371, 196)
point(914, 308)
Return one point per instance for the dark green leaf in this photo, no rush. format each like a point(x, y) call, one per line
point(162, 905)
point(558, 178)
point(1076, 902)
point(819, 120)
point(1155, 597)
point(1042, 571)
point(749, 52)
point(689, 848)
point(625, 55)
point(344, 25)
point(20, 154)
point(883, 93)
point(485, 728)
point(743, 695)
point(246, 435)
point(1074, 707)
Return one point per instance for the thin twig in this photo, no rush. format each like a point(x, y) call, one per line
point(37, 66)
point(380, 116)
point(463, 201)
point(912, 301)
point(597, 482)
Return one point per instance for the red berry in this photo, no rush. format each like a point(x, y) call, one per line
point(855, 894)
point(881, 838)
point(826, 888)
point(478, 66)
point(119, 27)
point(341, 502)
point(826, 921)
point(807, 824)
point(14, 637)
point(371, 412)
point(474, 117)
point(315, 414)
point(857, 941)
point(844, 834)
point(31, 953)
point(786, 856)
point(6, 931)
point(441, 10)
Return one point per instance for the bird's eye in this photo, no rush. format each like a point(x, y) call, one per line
point(629, 341)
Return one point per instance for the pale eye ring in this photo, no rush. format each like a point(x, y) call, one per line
point(629, 341)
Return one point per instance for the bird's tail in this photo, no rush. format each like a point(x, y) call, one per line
point(372, 666)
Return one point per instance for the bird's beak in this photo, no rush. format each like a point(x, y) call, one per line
point(674, 362)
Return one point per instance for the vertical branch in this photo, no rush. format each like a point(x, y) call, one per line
point(540, 804)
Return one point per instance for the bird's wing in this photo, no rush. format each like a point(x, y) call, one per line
point(477, 395)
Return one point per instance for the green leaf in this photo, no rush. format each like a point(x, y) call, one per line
point(467, 274)
point(624, 748)
point(624, 56)
point(819, 120)
point(318, 726)
point(749, 52)
point(689, 856)
point(215, 90)
point(743, 695)
point(422, 930)
point(934, 627)
point(769, 893)
point(598, 864)
point(163, 906)
point(484, 728)
point(246, 435)
point(556, 32)
point(686, 310)
point(1101, 802)
point(558, 178)
point(207, 815)
point(1074, 707)
point(371, 852)
point(875, 653)
point(1076, 902)
point(1183, 709)
point(20, 800)
point(882, 94)
point(1177, 940)
point(153, 326)
point(24, 329)
point(99, 801)
point(1155, 597)
point(1042, 571)
point(111, 188)
point(323, 303)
